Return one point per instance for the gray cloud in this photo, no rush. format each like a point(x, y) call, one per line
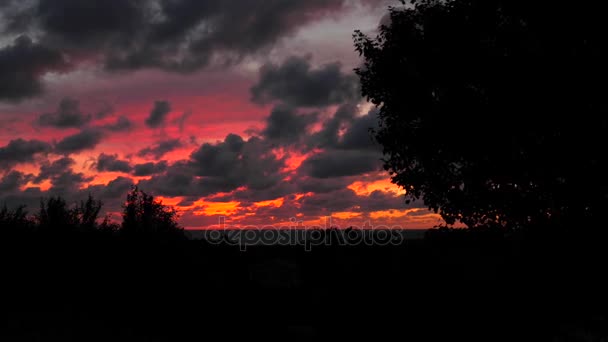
point(221, 167)
point(284, 125)
point(68, 114)
point(110, 193)
point(308, 184)
point(148, 169)
point(346, 130)
point(358, 136)
point(86, 139)
point(48, 170)
point(177, 35)
point(158, 114)
point(348, 200)
point(122, 124)
point(65, 183)
point(13, 180)
point(161, 148)
point(63, 179)
point(21, 151)
point(329, 135)
point(177, 180)
point(111, 163)
point(296, 83)
point(340, 163)
point(236, 162)
point(22, 64)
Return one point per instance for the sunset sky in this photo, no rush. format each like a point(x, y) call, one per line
point(244, 109)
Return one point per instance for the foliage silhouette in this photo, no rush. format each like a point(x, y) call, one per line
point(14, 219)
point(56, 215)
point(493, 112)
point(143, 215)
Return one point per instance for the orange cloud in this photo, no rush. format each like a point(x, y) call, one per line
point(365, 188)
point(217, 208)
point(271, 203)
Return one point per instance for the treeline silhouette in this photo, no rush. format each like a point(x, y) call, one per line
point(142, 215)
point(68, 274)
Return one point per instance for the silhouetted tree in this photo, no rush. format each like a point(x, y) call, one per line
point(108, 226)
point(142, 214)
point(14, 218)
point(88, 213)
point(493, 111)
point(55, 214)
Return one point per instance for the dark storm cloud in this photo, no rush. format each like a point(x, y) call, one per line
point(48, 169)
point(340, 163)
point(348, 200)
point(64, 182)
point(21, 66)
point(248, 196)
point(122, 124)
point(63, 179)
point(161, 148)
point(358, 135)
point(13, 180)
point(86, 139)
point(111, 163)
point(148, 169)
point(346, 130)
point(117, 188)
point(158, 114)
point(110, 193)
point(236, 162)
point(284, 125)
point(322, 185)
point(329, 135)
point(21, 151)
point(178, 35)
point(177, 180)
point(249, 171)
point(221, 167)
point(296, 83)
point(67, 182)
point(194, 33)
point(68, 114)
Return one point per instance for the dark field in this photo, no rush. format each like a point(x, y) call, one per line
point(100, 286)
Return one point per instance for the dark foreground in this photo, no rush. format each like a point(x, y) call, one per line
point(97, 286)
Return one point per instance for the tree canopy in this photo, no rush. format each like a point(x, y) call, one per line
point(492, 111)
point(142, 214)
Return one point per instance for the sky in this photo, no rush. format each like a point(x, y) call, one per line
point(248, 110)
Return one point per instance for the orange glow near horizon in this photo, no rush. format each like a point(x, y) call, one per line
point(366, 188)
point(346, 215)
point(216, 208)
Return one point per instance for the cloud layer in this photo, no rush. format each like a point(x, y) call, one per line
point(256, 136)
